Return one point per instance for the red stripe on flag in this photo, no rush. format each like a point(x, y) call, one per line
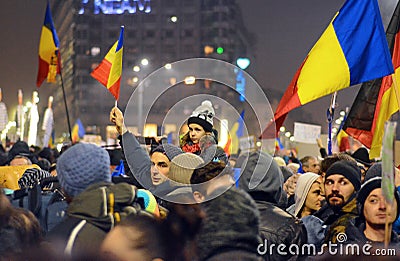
point(114, 89)
point(42, 72)
point(102, 72)
point(289, 101)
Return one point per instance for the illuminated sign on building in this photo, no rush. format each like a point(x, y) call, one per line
point(115, 6)
point(241, 85)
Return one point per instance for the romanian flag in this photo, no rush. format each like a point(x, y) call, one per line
point(278, 144)
point(49, 64)
point(109, 70)
point(342, 140)
point(377, 100)
point(78, 131)
point(52, 140)
point(232, 145)
point(352, 50)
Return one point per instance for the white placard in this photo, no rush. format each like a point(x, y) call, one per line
point(306, 133)
point(247, 143)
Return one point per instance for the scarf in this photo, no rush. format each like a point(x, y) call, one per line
point(192, 148)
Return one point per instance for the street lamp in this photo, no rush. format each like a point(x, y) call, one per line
point(144, 61)
point(190, 80)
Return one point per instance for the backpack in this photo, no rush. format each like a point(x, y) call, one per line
point(47, 205)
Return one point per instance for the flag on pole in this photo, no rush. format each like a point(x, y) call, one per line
point(278, 144)
point(119, 170)
point(49, 64)
point(352, 50)
point(232, 145)
point(109, 71)
point(377, 100)
point(78, 131)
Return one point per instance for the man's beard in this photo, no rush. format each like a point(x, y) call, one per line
point(337, 206)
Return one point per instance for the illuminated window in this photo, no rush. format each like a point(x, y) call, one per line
point(95, 51)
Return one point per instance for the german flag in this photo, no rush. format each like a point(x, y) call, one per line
point(377, 100)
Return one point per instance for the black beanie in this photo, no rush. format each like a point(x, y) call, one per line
point(367, 187)
point(348, 169)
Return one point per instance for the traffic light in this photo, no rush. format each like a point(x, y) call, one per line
point(220, 50)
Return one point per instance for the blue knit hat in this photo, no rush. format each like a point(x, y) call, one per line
point(82, 165)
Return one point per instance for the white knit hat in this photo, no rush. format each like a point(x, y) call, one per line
point(303, 186)
point(203, 115)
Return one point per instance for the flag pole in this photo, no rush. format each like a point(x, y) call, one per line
point(330, 112)
point(65, 99)
point(388, 227)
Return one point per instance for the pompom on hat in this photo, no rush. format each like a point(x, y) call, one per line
point(81, 166)
point(203, 115)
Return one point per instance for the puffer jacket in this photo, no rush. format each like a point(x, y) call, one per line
point(90, 216)
point(262, 178)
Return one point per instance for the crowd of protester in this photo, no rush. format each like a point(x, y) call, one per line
point(185, 203)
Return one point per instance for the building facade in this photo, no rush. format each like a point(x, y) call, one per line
point(159, 31)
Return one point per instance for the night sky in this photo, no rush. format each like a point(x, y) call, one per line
point(285, 31)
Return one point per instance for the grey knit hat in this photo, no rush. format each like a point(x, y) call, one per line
point(82, 165)
point(203, 115)
point(303, 186)
point(168, 150)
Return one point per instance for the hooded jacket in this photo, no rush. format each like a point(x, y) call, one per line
point(262, 178)
point(230, 230)
point(90, 216)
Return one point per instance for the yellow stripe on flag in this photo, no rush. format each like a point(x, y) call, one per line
point(116, 64)
point(47, 46)
point(326, 64)
point(389, 106)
